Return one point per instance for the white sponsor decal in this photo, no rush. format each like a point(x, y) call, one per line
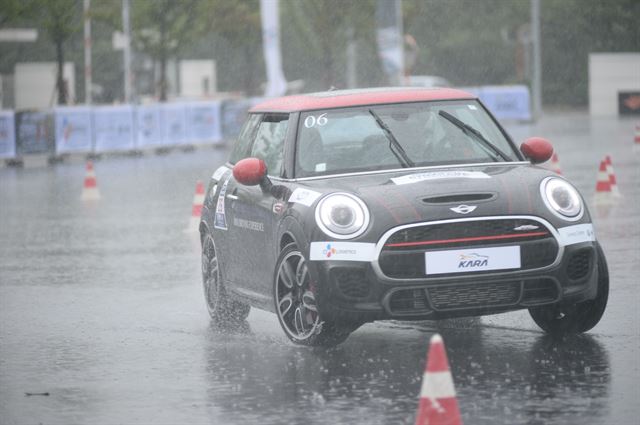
point(438, 175)
point(248, 224)
point(217, 175)
point(472, 260)
point(342, 251)
point(304, 196)
point(576, 234)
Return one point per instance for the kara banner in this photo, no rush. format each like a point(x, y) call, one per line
point(174, 123)
point(34, 133)
point(73, 129)
point(204, 123)
point(7, 135)
point(148, 129)
point(113, 128)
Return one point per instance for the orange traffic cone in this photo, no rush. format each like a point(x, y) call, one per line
point(636, 138)
point(196, 210)
point(612, 177)
point(555, 164)
point(90, 190)
point(438, 403)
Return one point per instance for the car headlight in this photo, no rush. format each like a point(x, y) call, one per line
point(561, 198)
point(342, 215)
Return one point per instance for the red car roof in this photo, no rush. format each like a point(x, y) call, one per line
point(360, 97)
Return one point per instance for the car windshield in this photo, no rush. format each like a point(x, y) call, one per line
point(378, 137)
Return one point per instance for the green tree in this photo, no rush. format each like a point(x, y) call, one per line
point(60, 20)
point(238, 24)
point(321, 31)
point(162, 28)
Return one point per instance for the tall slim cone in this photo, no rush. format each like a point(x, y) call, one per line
point(613, 182)
point(90, 191)
point(196, 209)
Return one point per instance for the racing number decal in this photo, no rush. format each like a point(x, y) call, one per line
point(312, 121)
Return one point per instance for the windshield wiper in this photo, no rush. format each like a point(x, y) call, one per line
point(492, 149)
point(394, 146)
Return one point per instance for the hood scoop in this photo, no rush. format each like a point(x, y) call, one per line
point(459, 198)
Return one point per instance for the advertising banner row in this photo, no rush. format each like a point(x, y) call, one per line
point(505, 102)
point(99, 129)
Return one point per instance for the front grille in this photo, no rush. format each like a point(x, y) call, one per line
point(402, 256)
point(408, 301)
point(474, 295)
point(579, 264)
point(539, 291)
point(351, 282)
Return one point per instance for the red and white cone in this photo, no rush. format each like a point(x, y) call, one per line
point(555, 164)
point(636, 138)
point(196, 210)
point(613, 182)
point(603, 185)
point(90, 191)
point(438, 403)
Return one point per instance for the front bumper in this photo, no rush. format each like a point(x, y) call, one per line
point(364, 291)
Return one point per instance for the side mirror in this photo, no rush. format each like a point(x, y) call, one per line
point(250, 171)
point(536, 149)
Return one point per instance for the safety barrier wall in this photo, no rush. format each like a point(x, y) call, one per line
point(126, 128)
point(505, 102)
point(120, 128)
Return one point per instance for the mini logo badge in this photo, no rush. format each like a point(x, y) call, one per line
point(463, 209)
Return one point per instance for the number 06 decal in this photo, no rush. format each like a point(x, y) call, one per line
point(312, 121)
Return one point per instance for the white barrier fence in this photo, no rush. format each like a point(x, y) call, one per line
point(116, 128)
point(122, 128)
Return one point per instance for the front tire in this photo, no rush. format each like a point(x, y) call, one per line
point(222, 309)
point(296, 302)
point(580, 317)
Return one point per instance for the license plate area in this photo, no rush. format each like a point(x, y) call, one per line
point(472, 260)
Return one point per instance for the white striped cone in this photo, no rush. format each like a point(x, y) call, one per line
point(603, 185)
point(90, 191)
point(613, 182)
point(196, 209)
point(438, 403)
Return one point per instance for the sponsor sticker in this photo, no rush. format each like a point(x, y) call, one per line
point(342, 251)
point(304, 196)
point(576, 234)
point(217, 175)
point(248, 224)
point(472, 260)
point(438, 175)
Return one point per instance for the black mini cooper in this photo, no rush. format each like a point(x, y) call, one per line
point(344, 207)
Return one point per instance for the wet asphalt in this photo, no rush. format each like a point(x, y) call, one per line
point(102, 318)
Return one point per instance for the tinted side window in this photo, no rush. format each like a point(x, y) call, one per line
point(269, 142)
point(245, 138)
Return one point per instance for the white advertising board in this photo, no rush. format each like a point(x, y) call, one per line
point(174, 123)
point(148, 129)
point(73, 129)
point(7, 135)
point(113, 128)
point(204, 123)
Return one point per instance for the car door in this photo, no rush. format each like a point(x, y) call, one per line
point(250, 213)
